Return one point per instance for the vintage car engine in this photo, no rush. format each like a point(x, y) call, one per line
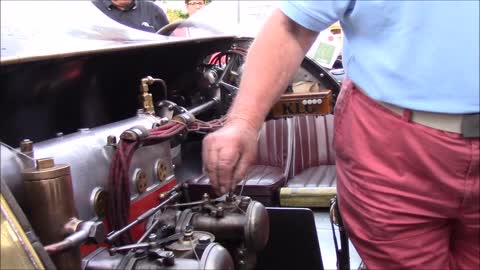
point(189, 238)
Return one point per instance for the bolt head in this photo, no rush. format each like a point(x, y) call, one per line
point(204, 240)
point(98, 233)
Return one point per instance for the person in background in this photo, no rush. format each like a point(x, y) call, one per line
point(407, 135)
point(139, 14)
point(194, 6)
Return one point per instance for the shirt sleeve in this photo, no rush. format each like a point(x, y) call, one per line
point(317, 15)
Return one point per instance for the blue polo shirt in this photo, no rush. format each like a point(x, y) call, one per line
point(422, 55)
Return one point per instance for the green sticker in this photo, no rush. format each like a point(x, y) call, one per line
point(324, 53)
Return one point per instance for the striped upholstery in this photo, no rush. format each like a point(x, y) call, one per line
point(313, 143)
point(312, 178)
point(273, 145)
point(318, 176)
point(271, 169)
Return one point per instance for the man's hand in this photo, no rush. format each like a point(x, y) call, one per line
point(228, 153)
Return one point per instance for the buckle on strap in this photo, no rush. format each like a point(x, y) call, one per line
point(471, 125)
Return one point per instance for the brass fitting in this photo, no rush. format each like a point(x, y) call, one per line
point(26, 147)
point(146, 98)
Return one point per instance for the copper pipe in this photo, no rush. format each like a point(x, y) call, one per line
point(59, 247)
point(71, 241)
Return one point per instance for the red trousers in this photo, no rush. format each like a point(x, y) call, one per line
point(409, 194)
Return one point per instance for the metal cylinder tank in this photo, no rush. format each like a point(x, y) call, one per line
point(50, 205)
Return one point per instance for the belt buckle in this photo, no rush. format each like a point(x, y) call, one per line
point(471, 125)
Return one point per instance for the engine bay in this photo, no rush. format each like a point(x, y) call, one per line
point(96, 149)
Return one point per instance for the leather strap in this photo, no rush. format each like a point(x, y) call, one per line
point(342, 251)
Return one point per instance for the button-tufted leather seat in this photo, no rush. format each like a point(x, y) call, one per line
point(312, 180)
point(269, 174)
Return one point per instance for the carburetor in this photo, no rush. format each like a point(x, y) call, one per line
point(222, 233)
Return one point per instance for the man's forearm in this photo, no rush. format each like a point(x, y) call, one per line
point(272, 60)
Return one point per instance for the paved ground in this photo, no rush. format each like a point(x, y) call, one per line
point(325, 238)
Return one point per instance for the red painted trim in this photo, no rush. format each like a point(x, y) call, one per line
point(136, 209)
